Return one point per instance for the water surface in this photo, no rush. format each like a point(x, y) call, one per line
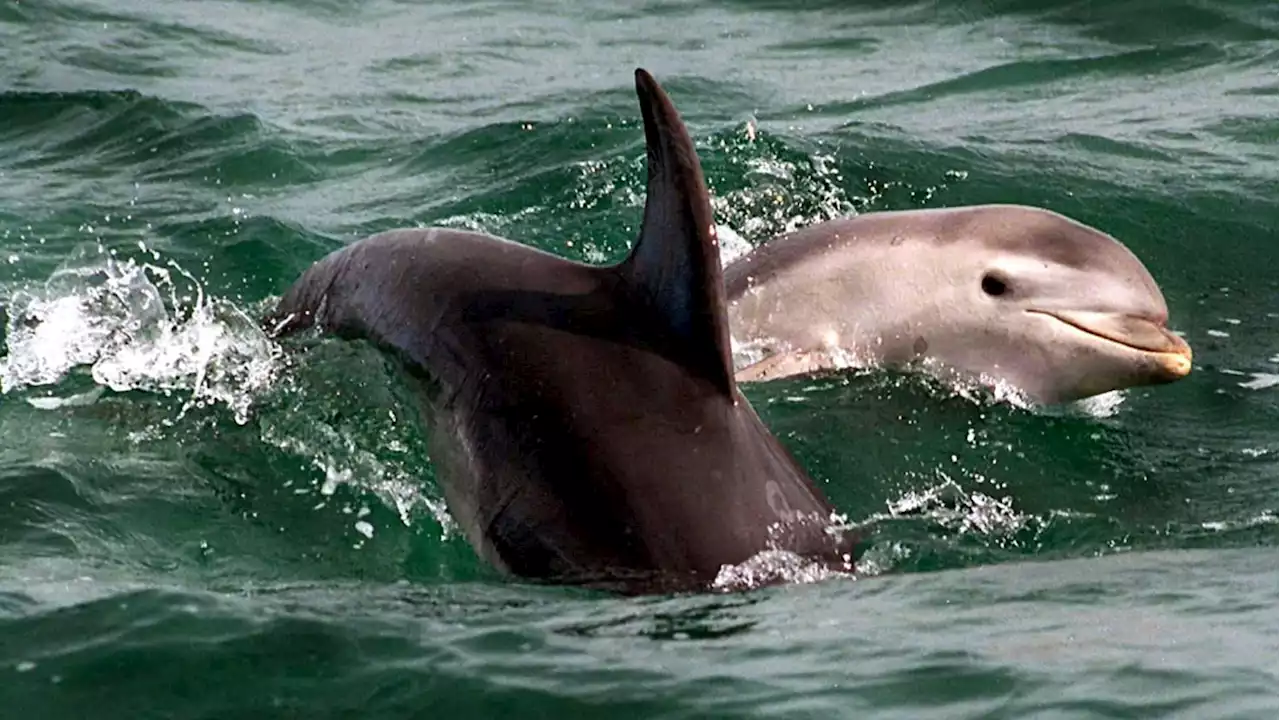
point(197, 524)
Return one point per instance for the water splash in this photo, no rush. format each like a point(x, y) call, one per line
point(1261, 381)
point(981, 389)
point(882, 558)
point(768, 188)
point(1264, 519)
point(959, 510)
point(339, 454)
point(732, 245)
point(1104, 405)
point(771, 567)
point(113, 316)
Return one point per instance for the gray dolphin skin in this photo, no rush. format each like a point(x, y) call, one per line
point(994, 293)
point(583, 421)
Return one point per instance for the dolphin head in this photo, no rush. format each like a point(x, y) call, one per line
point(1008, 294)
point(1056, 308)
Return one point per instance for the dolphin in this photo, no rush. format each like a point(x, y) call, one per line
point(998, 294)
point(583, 420)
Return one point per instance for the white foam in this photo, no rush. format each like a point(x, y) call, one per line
point(1261, 381)
point(732, 245)
point(963, 511)
point(770, 567)
point(112, 317)
point(1101, 406)
point(1267, 517)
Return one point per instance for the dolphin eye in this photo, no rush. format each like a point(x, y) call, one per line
point(993, 285)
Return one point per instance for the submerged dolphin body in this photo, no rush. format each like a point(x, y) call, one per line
point(584, 421)
point(998, 293)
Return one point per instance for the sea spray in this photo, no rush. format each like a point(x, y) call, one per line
point(112, 316)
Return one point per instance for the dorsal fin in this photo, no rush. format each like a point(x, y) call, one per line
point(675, 264)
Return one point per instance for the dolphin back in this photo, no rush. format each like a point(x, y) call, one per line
point(584, 421)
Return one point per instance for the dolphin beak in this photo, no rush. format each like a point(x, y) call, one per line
point(1170, 353)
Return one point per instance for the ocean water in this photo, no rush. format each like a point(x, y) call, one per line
point(198, 523)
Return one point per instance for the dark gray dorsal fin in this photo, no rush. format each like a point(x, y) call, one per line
point(675, 264)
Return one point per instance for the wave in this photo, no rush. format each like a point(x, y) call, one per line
point(1174, 632)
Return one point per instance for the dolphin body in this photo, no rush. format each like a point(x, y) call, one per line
point(1001, 294)
point(584, 421)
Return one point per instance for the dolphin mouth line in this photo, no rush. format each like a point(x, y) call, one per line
point(1135, 333)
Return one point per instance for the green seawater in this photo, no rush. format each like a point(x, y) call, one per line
point(195, 523)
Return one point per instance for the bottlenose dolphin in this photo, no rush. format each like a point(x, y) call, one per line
point(584, 421)
point(994, 293)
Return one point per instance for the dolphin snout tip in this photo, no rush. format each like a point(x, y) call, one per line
point(1176, 363)
point(1164, 355)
